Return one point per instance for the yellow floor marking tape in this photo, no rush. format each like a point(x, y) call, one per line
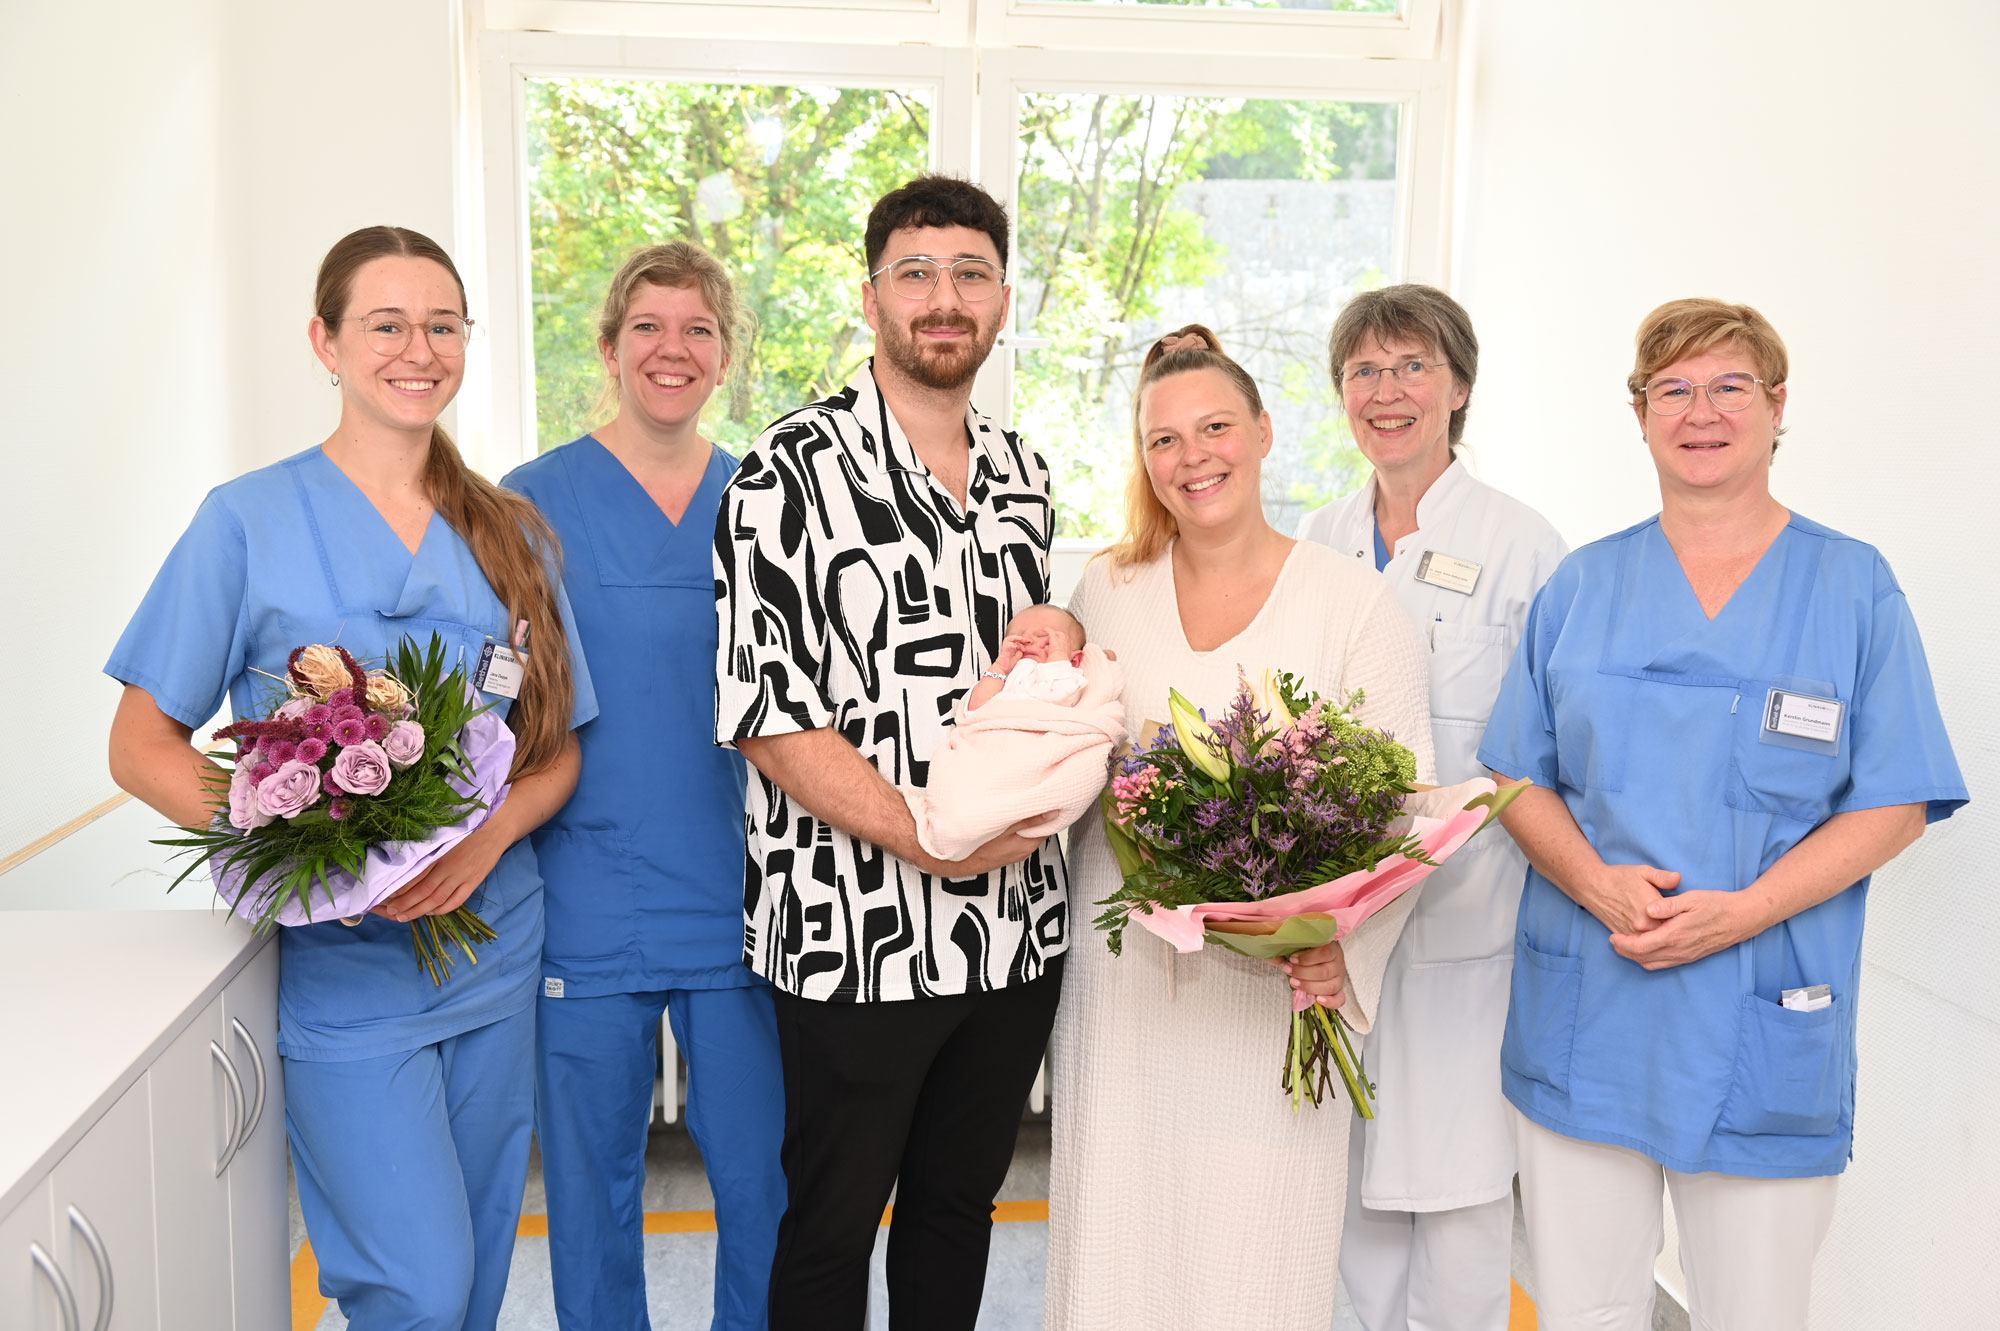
point(309, 1305)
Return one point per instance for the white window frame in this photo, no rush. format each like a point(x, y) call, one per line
point(974, 86)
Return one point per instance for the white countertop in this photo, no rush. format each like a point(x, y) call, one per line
point(92, 997)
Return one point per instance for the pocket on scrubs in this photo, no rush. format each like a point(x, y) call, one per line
point(1541, 1017)
point(1456, 746)
point(1791, 783)
point(1790, 1074)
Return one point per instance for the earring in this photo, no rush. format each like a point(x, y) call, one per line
point(335, 380)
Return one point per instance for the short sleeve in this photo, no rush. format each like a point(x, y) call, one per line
point(585, 707)
point(189, 639)
point(770, 627)
point(1386, 660)
point(1900, 751)
point(1520, 739)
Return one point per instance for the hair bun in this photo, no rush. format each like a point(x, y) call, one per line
point(1191, 337)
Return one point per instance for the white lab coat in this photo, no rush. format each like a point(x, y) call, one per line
point(1442, 1137)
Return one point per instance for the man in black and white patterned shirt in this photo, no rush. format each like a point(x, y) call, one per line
point(867, 555)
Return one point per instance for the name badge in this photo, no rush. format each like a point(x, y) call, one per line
point(1448, 571)
point(501, 670)
point(1803, 716)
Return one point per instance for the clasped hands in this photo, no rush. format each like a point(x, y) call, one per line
point(1658, 931)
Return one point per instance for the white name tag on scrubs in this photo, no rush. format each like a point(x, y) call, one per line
point(501, 670)
point(1803, 716)
point(1448, 571)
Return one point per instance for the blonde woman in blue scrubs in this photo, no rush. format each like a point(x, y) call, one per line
point(408, 1104)
point(1730, 724)
point(1429, 1239)
point(645, 864)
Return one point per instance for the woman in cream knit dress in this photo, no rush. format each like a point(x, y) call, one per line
point(1185, 1195)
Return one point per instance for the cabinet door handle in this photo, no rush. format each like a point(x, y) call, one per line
point(257, 1066)
point(235, 1106)
point(65, 1297)
point(102, 1260)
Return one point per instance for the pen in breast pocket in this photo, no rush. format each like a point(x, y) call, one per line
point(1435, 621)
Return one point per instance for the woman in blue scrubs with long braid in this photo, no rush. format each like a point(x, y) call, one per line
point(408, 1104)
point(645, 863)
point(1730, 724)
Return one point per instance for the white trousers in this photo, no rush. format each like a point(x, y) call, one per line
point(1426, 1270)
point(1593, 1219)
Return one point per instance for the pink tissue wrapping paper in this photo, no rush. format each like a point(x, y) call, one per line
point(1352, 898)
point(392, 865)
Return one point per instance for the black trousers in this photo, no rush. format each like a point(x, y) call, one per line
point(925, 1096)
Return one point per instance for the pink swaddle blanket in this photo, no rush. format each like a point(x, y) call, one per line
point(1014, 758)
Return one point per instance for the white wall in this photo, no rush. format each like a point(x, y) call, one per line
point(1859, 218)
point(173, 174)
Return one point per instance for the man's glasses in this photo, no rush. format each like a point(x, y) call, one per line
point(1726, 392)
point(915, 276)
point(389, 334)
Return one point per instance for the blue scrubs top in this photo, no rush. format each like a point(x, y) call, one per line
point(296, 554)
point(645, 863)
point(1382, 552)
point(1647, 718)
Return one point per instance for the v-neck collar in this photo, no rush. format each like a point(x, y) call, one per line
point(1755, 574)
point(611, 462)
point(361, 496)
point(986, 460)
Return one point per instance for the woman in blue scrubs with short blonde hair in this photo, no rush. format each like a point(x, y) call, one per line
point(645, 863)
point(408, 1104)
point(1730, 723)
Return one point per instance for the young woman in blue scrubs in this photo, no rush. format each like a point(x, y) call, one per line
point(1730, 723)
point(645, 864)
point(407, 1104)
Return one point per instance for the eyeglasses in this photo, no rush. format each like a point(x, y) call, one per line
point(1726, 392)
point(389, 334)
point(1369, 378)
point(915, 276)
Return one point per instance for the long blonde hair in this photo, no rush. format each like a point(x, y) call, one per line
point(513, 543)
point(1149, 527)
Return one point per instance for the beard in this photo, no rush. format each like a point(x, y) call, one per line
point(945, 368)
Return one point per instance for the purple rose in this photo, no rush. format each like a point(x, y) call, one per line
point(350, 732)
point(289, 791)
point(292, 711)
point(244, 815)
point(310, 750)
point(362, 769)
point(404, 743)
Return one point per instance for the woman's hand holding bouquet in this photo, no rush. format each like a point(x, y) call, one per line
point(366, 789)
point(1276, 831)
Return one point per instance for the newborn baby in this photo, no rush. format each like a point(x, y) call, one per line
point(1032, 738)
point(1041, 660)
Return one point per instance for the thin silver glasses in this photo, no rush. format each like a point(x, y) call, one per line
point(388, 333)
point(1409, 373)
point(1726, 392)
point(915, 276)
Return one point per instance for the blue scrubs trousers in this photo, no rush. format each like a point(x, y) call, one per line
point(410, 1169)
point(594, 1101)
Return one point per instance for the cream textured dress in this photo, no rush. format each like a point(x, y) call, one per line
point(1184, 1194)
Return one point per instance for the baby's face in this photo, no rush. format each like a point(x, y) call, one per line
point(1046, 635)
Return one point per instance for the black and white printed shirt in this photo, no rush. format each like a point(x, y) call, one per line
point(853, 591)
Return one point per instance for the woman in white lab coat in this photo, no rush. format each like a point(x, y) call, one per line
point(1430, 1181)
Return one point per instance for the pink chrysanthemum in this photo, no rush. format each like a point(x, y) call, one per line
point(340, 698)
point(352, 730)
point(310, 750)
point(349, 712)
point(263, 772)
point(279, 751)
point(329, 785)
point(378, 726)
point(337, 810)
